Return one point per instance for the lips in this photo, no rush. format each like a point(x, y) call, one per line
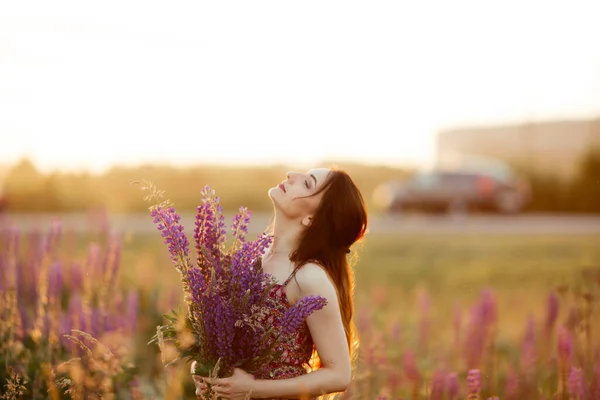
point(282, 187)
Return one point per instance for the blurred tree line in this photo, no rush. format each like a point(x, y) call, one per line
point(26, 189)
point(580, 194)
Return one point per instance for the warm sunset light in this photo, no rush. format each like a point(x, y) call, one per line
point(392, 199)
point(83, 86)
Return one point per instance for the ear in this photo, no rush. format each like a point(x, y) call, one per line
point(307, 221)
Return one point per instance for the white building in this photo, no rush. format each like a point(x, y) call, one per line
point(554, 147)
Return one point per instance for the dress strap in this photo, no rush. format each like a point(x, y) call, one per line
point(291, 275)
point(296, 270)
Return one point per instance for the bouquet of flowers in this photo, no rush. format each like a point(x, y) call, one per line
point(226, 291)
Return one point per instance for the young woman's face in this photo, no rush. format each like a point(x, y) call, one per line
point(294, 197)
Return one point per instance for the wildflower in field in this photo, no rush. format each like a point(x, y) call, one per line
point(438, 385)
point(576, 383)
point(452, 385)
point(473, 384)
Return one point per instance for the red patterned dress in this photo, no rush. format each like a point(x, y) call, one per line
point(296, 349)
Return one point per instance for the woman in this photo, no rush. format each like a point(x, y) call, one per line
point(319, 215)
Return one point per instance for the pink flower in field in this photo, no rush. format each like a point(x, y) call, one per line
point(473, 384)
point(410, 367)
point(438, 385)
point(565, 345)
point(452, 385)
point(483, 317)
point(512, 385)
point(394, 380)
point(576, 384)
point(565, 353)
point(528, 352)
point(489, 307)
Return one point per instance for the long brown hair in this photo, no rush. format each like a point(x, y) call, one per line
point(339, 221)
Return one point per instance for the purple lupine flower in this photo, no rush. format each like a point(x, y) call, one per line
point(489, 307)
point(452, 385)
point(576, 383)
point(244, 275)
point(198, 284)
point(528, 351)
point(206, 238)
point(295, 316)
point(239, 228)
point(473, 384)
point(209, 234)
point(172, 231)
point(552, 306)
point(219, 325)
point(438, 385)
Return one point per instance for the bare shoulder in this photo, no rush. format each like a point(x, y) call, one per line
point(313, 279)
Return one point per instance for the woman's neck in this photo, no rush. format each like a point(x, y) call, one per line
point(286, 235)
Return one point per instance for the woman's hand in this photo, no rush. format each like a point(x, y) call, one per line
point(201, 387)
point(239, 386)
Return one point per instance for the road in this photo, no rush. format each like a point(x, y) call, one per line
point(409, 224)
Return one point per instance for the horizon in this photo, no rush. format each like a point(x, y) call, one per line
point(89, 88)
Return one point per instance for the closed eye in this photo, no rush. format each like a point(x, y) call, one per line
point(306, 184)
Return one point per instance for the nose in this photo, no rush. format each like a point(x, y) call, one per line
point(291, 175)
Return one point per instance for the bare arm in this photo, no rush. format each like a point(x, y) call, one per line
point(327, 331)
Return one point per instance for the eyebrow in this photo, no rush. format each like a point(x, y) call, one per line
point(312, 176)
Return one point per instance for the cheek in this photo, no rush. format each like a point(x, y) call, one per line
point(303, 206)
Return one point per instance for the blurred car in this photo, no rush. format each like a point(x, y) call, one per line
point(455, 191)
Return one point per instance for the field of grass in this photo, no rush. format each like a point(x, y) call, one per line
point(520, 309)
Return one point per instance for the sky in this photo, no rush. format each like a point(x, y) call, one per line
point(85, 85)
